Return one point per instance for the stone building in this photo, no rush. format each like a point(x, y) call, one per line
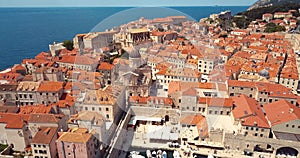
point(26, 92)
point(8, 94)
point(47, 74)
point(249, 116)
point(132, 37)
point(14, 131)
point(139, 81)
point(78, 62)
point(76, 142)
point(108, 101)
point(96, 40)
point(49, 92)
point(94, 122)
point(151, 101)
point(107, 70)
point(35, 121)
point(284, 119)
point(43, 143)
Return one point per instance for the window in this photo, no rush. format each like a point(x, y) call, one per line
point(107, 116)
point(255, 134)
point(293, 126)
point(210, 111)
point(107, 109)
point(35, 151)
point(216, 112)
point(44, 146)
point(287, 125)
point(99, 109)
point(261, 135)
point(86, 108)
point(93, 109)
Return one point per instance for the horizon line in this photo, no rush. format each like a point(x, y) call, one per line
point(131, 6)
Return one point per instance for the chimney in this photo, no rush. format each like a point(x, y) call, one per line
point(291, 110)
point(255, 123)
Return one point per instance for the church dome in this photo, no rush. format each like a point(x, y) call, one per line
point(264, 73)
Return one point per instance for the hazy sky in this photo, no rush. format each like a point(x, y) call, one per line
point(74, 3)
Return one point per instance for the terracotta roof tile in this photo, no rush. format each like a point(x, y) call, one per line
point(82, 60)
point(44, 118)
point(220, 102)
point(281, 111)
point(248, 110)
point(35, 109)
point(75, 136)
point(50, 86)
point(45, 135)
point(105, 66)
point(13, 121)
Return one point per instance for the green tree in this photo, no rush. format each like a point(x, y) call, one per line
point(271, 27)
point(241, 22)
point(68, 44)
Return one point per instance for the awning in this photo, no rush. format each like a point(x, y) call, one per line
point(143, 118)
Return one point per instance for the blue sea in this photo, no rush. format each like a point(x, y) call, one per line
point(24, 32)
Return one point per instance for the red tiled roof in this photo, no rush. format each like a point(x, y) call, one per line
point(50, 86)
point(42, 56)
point(45, 135)
point(236, 83)
point(145, 100)
point(44, 118)
point(18, 68)
point(13, 121)
point(199, 121)
point(281, 111)
point(191, 119)
point(82, 60)
point(34, 109)
point(174, 86)
point(248, 110)
point(221, 102)
point(190, 92)
point(105, 66)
